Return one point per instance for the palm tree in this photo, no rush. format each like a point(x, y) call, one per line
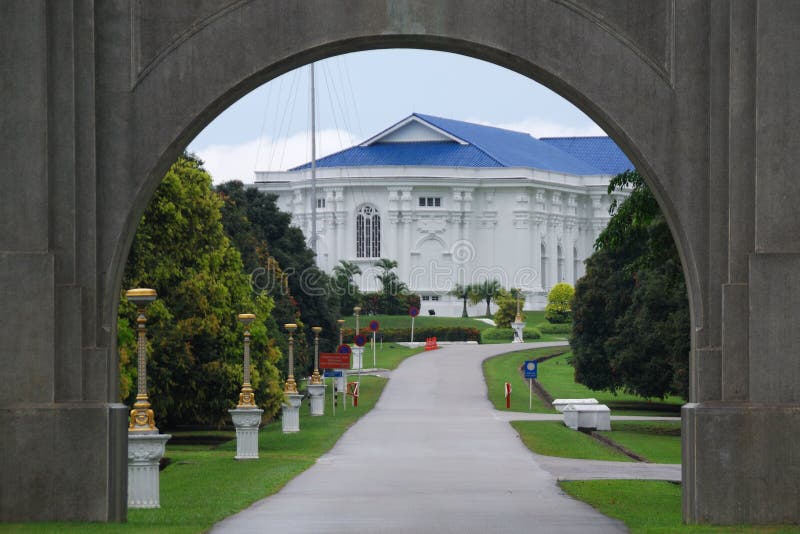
point(391, 285)
point(343, 275)
point(461, 292)
point(486, 290)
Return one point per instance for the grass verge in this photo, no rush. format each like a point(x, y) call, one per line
point(505, 368)
point(390, 356)
point(650, 507)
point(552, 438)
point(203, 485)
point(658, 441)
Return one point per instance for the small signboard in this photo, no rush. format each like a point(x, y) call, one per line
point(333, 374)
point(334, 360)
point(361, 340)
point(413, 311)
point(374, 326)
point(531, 368)
point(344, 349)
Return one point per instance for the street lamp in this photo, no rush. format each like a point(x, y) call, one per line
point(247, 398)
point(315, 378)
point(142, 419)
point(291, 385)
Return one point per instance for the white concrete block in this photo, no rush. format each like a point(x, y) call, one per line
point(560, 404)
point(290, 417)
point(317, 393)
point(591, 416)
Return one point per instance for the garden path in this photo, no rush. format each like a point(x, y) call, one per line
point(432, 456)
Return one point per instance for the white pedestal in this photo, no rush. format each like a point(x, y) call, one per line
point(358, 362)
point(144, 452)
point(317, 393)
point(518, 328)
point(291, 413)
point(246, 421)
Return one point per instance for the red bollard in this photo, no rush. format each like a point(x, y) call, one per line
point(508, 394)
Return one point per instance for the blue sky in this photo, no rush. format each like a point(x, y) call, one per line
point(360, 94)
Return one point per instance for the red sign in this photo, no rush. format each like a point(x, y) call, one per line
point(334, 360)
point(413, 311)
point(374, 326)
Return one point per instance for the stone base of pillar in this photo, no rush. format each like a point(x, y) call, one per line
point(290, 417)
point(246, 421)
point(144, 453)
point(518, 328)
point(317, 393)
point(358, 361)
point(740, 463)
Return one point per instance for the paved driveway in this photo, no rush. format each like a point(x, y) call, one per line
point(430, 457)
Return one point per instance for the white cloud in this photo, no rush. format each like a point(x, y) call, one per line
point(238, 162)
point(543, 128)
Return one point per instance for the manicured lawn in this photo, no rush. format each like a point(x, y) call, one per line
point(505, 368)
point(658, 441)
point(404, 321)
point(557, 376)
point(390, 356)
point(202, 485)
point(649, 507)
point(552, 438)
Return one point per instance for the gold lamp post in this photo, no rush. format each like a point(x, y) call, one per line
point(315, 377)
point(291, 385)
point(340, 322)
point(142, 419)
point(247, 398)
point(518, 318)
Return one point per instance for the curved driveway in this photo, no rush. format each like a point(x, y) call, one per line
point(430, 457)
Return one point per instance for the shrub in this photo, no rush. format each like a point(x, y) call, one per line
point(506, 309)
point(559, 303)
point(506, 335)
point(557, 328)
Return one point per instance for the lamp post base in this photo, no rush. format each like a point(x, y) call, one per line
point(144, 453)
point(246, 421)
point(317, 392)
point(518, 328)
point(290, 417)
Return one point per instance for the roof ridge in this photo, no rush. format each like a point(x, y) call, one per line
point(470, 141)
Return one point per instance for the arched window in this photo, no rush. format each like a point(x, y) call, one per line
point(368, 233)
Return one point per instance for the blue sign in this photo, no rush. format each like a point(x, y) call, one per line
point(531, 368)
point(333, 374)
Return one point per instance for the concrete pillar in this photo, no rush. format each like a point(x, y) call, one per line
point(246, 421)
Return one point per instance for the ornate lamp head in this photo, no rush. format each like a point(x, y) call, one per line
point(316, 330)
point(246, 319)
point(141, 296)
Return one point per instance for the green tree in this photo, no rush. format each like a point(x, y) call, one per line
point(631, 313)
point(484, 291)
point(302, 292)
point(344, 284)
point(462, 292)
point(559, 303)
point(181, 250)
point(507, 307)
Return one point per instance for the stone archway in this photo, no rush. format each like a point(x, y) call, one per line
point(103, 96)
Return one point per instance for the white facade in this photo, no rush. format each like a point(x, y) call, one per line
point(525, 227)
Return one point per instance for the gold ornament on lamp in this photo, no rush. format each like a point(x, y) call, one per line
point(142, 419)
point(291, 385)
point(247, 398)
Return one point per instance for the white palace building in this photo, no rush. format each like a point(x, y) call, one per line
point(456, 202)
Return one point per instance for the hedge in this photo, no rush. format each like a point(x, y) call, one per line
point(555, 328)
point(441, 333)
point(506, 335)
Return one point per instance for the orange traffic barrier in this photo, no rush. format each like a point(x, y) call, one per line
point(430, 343)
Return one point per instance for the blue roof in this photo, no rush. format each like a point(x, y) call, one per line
point(486, 146)
point(601, 153)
